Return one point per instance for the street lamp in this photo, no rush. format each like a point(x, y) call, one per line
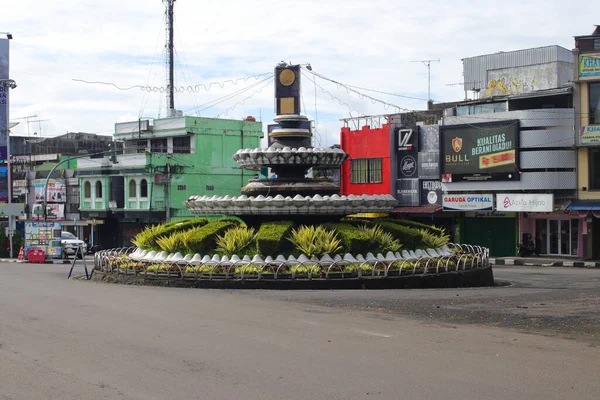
point(9, 84)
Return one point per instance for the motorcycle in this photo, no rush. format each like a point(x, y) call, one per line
point(528, 248)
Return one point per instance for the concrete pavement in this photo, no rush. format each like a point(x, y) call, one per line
point(71, 339)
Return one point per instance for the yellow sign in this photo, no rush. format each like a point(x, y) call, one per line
point(589, 135)
point(497, 159)
point(589, 65)
point(95, 221)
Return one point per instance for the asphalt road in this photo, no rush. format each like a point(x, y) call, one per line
point(62, 339)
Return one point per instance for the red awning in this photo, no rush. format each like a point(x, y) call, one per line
point(430, 209)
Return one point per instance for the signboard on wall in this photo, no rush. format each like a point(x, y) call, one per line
point(589, 135)
point(56, 190)
point(524, 202)
point(589, 65)
point(467, 202)
point(3, 99)
point(407, 192)
point(429, 138)
point(431, 192)
point(480, 152)
point(54, 212)
point(429, 165)
point(4, 182)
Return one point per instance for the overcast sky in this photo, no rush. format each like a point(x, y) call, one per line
point(370, 44)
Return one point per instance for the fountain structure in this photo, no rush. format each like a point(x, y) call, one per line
point(290, 156)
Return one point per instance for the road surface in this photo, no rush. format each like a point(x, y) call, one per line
point(73, 339)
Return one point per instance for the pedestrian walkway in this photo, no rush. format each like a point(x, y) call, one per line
point(545, 262)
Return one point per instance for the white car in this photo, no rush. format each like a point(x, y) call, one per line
point(70, 243)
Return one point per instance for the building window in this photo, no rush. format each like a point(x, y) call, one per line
point(594, 162)
point(594, 103)
point(181, 187)
point(181, 145)
point(158, 145)
point(141, 146)
point(144, 188)
point(365, 170)
point(132, 188)
point(210, 187)
point(87, 189)
point(98, 190)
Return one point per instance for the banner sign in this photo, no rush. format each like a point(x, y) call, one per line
point(467, 202)
point(525, 202)
point(44, 235)
point(3, 182)
point(57, 191)
point(589, 65)
point(407, 192)
point(17, 209)
point(589, 135)
point(407, 167)
point(429, 165)
point(4, 124)
point(480, 152)
point(429, 138)
point(54, 212)
point(431, 192)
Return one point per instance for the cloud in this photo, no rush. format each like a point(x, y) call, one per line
point(369, 44)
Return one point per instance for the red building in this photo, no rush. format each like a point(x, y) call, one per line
point(368, 167)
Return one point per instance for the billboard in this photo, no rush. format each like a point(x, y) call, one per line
point(467, 202)
point(44, 235)
point(429, 165)
point(589, 135)
point(431, 192)
point(589, 65)
point(56, 190)
point(3, 99)
point(407, 192)
point(54, 212)
point(3, 182)
point(480, 152)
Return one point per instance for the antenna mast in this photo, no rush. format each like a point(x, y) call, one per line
point(170, 50)
point(427, 63)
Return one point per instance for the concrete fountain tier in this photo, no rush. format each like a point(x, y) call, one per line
point(319, 157)
point(297, 205)
point(291, 187)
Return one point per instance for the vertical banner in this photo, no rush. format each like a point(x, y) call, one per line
point(4, 124)
point(407, 150)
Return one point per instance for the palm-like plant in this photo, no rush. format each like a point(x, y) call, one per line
point(384, 240)
point(315, 240)
point(433, 241)
point(235, 240)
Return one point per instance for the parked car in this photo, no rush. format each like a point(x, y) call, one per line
point(70, 243)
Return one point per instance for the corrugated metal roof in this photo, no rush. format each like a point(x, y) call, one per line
point(475, 68)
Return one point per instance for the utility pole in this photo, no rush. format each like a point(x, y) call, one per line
point(170, 50)
point(168, 189)
point(427, 63)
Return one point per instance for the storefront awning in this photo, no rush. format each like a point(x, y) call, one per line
point(429, 209)
point(584, 205)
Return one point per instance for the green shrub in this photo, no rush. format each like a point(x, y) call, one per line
point(382, 241)
point(315, 240)
point(201, 239)
point(171, 244)
point(271, 238)
point(410, 238)
point(148, 238)
point(432, 240)
point(235, 240)
point(418, 225)
point(353, 239)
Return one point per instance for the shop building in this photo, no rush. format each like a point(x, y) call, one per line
point(586, 87)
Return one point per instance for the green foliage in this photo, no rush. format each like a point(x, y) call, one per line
point(235, 240)
point(315, 240)
point(410, 238)
point(148, 238)
point(202, 239)
point(271, 238)
point(418, 225)
point(171, 244)
point(353, 239)
point(383, 241)
point(432, 240)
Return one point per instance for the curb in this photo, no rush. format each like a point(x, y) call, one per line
point(533, 263)
point(51, 261)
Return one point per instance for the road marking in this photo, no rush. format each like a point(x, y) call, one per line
point(371, 333)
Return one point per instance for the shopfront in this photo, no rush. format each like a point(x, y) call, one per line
point(556, 234)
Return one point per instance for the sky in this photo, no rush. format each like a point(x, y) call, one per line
point(226, 52)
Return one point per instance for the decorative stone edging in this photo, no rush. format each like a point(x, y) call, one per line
point(309, 157)
point(279, 205)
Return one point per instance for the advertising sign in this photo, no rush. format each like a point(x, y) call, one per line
point(407, 192)
point(3, 99)
point(429, 138)
point(429, 165)
point(44, 235)
point(480, 152)
point(467, 202)
point(431, 192)
point(16, 209)
point(589, 135)
point(54, 212)
point(407, 166)
point(3, 182)
point(57, 191)
point(525, 202)
point(589, 65)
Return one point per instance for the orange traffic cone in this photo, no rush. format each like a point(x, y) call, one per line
point(21, 254)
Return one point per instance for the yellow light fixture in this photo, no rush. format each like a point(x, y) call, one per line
point(287, 77)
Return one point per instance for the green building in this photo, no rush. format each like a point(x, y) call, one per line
point(163, 163)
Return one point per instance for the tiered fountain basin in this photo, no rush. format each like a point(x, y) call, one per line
point(448, 266)
point(320, 157)
point(288, 205)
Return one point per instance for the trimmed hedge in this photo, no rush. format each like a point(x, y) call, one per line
point(354, 240)
point(410, 238)
point(202, 239)
point(418, 225)
point(271, 239)
point(175, 227)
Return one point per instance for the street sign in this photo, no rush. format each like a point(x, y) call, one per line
point(95, 222)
